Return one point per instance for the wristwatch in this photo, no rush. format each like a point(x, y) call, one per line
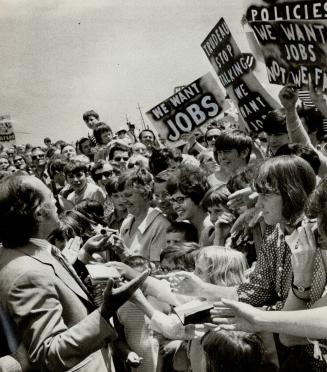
point(300, 288)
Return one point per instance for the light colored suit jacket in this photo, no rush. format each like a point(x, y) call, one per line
point(58, 324)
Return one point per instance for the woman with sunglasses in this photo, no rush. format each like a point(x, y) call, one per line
point(187, 187)
point(21, 164)
point(144, 229)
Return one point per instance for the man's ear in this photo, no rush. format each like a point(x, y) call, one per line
point(245, 153)
point(39, 213)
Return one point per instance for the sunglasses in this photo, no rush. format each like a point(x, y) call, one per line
point(99, 176)
point(120, 158)
point(40, 156)
point(17, 159)
point(211, 138)
point(178, 200)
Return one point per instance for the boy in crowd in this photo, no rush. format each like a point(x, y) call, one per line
point(232, 152)
point(76, 176)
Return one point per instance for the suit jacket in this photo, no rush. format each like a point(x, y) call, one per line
point(58, 324)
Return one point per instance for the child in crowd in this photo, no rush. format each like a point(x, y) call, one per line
point(180, 231)
point(76, 175)
point(233, 351)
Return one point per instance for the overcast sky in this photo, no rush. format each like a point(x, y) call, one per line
point(60, 58)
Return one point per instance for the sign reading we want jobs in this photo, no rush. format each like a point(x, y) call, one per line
point(293, 37)
point(249, 96)
point(188, 109)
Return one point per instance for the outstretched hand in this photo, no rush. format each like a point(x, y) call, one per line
point(236, 316)
point(113, 298)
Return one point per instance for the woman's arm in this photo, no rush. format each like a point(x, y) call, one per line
point(309, 323)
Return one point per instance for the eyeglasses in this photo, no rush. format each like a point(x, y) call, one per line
point(40, 156)
point(178, 200)
point(120, 158)
point(211, 138)
point(99, 176)
point(17, 160)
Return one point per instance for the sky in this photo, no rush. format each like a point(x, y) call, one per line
point(60, 58)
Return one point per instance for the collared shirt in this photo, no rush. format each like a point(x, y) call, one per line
point(90, 191)
point(150, 237)
point(42, 243)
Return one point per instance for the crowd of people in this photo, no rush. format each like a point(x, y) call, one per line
point(232, 222)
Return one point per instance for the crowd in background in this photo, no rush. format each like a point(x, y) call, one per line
point(236, 219)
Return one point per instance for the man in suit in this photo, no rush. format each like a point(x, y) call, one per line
point(58, 322)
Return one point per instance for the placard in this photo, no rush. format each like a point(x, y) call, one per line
point(251, 99)
point(293, 39)
point(189, 108)
point(7, 134)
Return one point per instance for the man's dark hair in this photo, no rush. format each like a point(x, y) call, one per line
point(74, 166)
point(18, 204)
point(275, 122)
point(234, 140)
point(118, 147)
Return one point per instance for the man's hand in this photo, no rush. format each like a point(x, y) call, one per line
point(113, 298)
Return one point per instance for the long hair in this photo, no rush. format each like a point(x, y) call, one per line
point(225, 266)
point(290, 176)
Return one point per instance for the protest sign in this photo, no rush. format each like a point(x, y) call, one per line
point(187, 109)
point(284, 10)
point(7, 134)
point(293, 39)
point(251, 99)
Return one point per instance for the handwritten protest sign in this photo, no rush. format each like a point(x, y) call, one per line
point(249, 96)
point(7, 134)
point(189, 108)
point(293, 39)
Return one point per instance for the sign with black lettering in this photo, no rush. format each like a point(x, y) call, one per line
point(7, 134)
point(187, 109)
point(251, 99)
point(294, 51)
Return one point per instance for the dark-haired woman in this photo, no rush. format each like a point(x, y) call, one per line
point(187, 187)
